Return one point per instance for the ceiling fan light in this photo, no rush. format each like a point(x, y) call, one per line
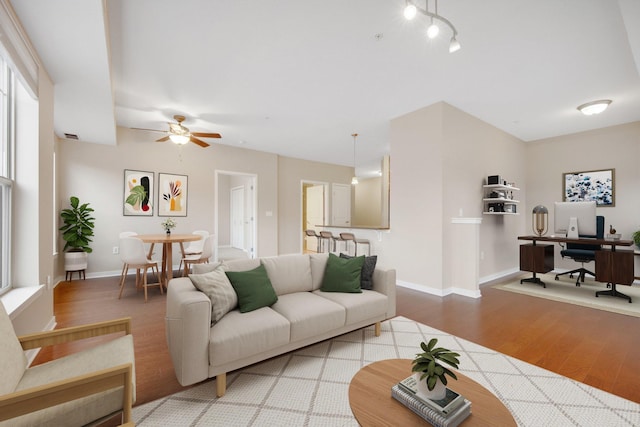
point(454, 45)
point(179, 139)
point(594, 107)
point(410, 11)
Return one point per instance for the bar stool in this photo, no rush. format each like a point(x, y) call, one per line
point(350, 237)
point(330, 239)
point(312, 233)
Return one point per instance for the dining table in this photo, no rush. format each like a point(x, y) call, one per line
point(167, 240)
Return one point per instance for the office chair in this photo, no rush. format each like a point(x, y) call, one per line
point(583, 253)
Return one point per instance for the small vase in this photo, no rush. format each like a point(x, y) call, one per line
point(438, 392)
point(168, 232)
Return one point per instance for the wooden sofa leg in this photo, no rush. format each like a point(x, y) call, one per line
point(378, 328)
point(221, 384)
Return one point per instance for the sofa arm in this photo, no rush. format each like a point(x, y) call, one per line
point(384, 281)
point(188, 323)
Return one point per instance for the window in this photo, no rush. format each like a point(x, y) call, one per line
point(6, 171)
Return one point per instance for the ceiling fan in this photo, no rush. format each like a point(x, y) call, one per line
point(179, 134)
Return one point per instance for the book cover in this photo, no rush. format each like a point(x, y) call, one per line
point(451, 401)
point(429, 414)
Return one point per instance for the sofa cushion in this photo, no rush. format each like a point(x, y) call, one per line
point(342, 275)
point(240, 264)
point(253, 288)
point(239, 335)
point(366, 275)
point(309, 314)
point(289, 273)
point(359, 307)
point(318, 265)
point(217, 287)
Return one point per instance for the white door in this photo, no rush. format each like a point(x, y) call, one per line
point(315, 213)
point(341, 205)
point(237, 218)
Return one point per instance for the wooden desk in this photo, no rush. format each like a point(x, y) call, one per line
point(372, 405)
point(167, 241)
point(615, 267)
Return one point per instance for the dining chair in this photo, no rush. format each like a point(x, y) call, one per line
point(201, 258)
point(120, 236)
point(134, 256)
point(194, 248)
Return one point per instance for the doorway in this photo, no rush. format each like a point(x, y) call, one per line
point(235, 215)
point(314, 212)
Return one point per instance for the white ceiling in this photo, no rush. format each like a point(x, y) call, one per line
point(297, 78)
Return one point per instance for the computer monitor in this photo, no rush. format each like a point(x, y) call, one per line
point(575, 219)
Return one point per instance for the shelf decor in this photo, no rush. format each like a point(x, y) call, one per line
point(172, 194)
point(597, 185)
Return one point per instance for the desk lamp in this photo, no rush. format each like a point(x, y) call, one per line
point(540, 221)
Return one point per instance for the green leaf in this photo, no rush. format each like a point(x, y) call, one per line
point(432, 343)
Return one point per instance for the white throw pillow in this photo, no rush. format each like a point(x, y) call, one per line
point(217, 287)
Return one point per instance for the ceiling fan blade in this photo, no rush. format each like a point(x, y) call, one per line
point(163, 139)
point(198, 141)
point(149, 130)
point(206, 135)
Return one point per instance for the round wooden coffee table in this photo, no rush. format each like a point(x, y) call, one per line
point(372, 404)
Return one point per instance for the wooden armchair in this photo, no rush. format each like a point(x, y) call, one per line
point(89, 386)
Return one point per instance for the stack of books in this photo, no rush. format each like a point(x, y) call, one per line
point(447, 412)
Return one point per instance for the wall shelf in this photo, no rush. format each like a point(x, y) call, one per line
point(501, 205)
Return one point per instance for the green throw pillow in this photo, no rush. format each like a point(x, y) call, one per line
point(342, 275)
point(366, 277)
point(253, 288)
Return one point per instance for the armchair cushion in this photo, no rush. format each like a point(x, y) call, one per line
point(13, 362)
point(87, 409)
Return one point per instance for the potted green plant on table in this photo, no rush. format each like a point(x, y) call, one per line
point(77, 230)
point(429, 373)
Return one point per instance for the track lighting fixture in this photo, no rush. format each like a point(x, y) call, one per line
point(411, 10)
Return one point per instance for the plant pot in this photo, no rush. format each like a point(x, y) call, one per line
point(75, 260)
point(438, 392)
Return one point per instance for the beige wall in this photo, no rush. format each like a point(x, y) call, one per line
point(440, 159)
point(367, 205)
point(291, 174)
point(94, 173)
point(615, 147)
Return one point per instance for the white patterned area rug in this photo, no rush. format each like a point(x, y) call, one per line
point(309, 387)
point(565, 290)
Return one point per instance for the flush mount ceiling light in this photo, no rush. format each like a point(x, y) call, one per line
point(594, 107)
point(411, 10)
point(354, 180)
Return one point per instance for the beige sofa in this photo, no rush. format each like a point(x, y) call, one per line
point(303, 315)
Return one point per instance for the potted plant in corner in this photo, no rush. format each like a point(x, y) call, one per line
point(636, 238)
point(77, 230)
point(429, 373)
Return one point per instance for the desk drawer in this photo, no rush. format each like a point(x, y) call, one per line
point(615, 267)
point(536, 258)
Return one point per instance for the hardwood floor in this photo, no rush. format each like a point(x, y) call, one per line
point(591, 346)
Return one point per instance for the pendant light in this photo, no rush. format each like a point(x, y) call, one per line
point(354, 180)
